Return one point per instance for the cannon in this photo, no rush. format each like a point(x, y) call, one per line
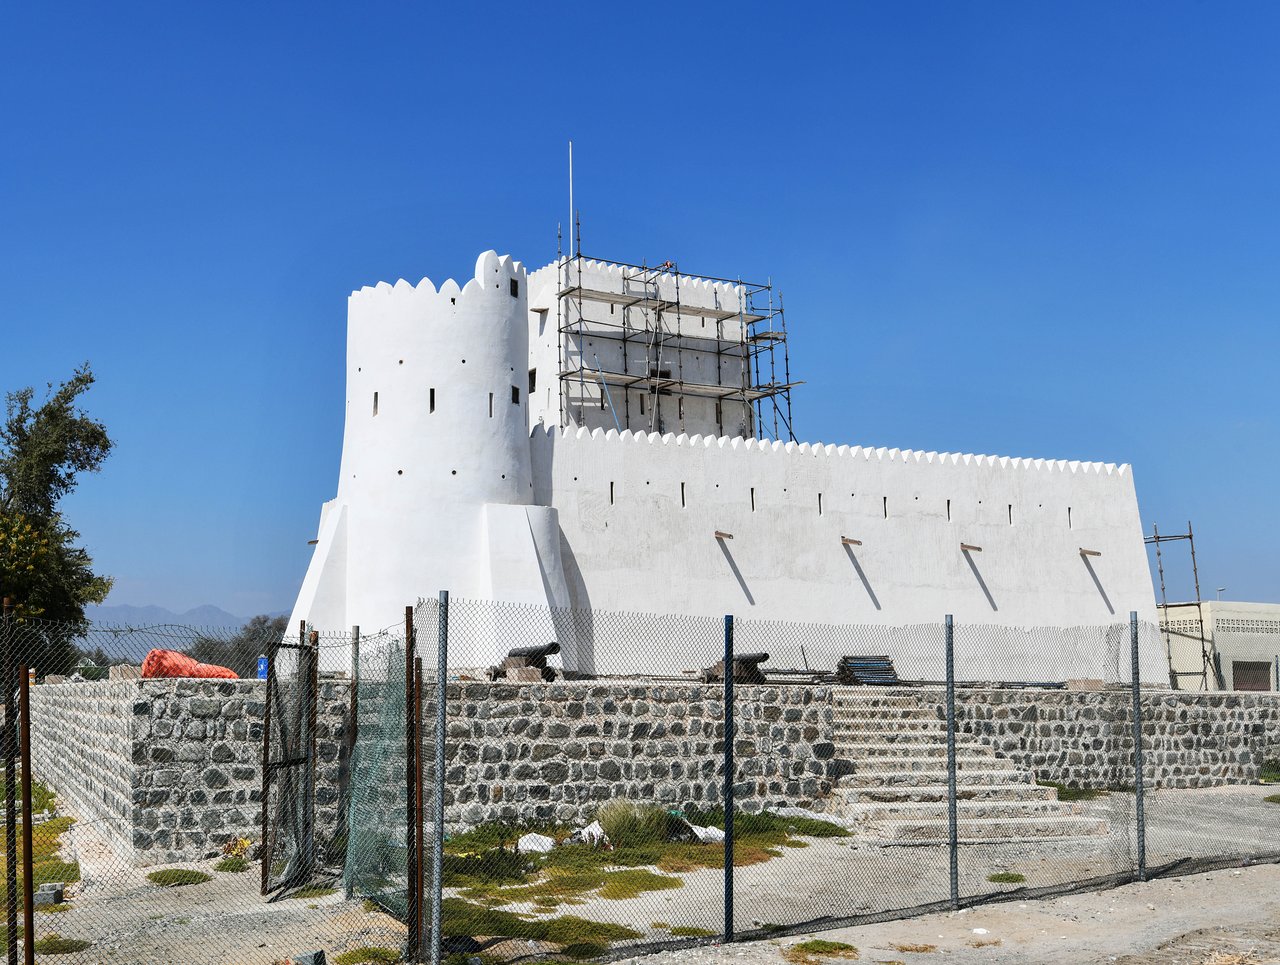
point(526, 664)
point(746, 669)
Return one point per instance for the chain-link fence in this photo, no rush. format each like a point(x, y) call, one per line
point(466, 784)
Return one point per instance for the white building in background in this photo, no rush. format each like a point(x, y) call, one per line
point(612, 437)
point(1222, 645)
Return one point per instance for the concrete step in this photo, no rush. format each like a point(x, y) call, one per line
point(966, 810)
point(902, 751)
point(899, 777)
point(984, 830)
point(897, 735)
point(938, 763)
point(938, 792)
point(879, 722)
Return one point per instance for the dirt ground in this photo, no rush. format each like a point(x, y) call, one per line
point(1221, 918)
point(130, 921)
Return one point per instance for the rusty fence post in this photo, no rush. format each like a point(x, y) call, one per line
point(10, 789)
point(28, 874)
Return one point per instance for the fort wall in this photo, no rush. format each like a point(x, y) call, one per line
point(845, 535)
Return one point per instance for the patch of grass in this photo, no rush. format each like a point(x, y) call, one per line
point(633, 882)
point(1006, 878)
point(232, 865)
point(908, 947)
point(688, 931)
point(462, 918)
point(314, 891)
point(1270, 772)
point(54, 944)
point(42, 799)
point(1068, 793)
point(174, 877)
point(984, 942)
point(369, 953)
point(659, 924)
point(813, 951)
point(1272, 799)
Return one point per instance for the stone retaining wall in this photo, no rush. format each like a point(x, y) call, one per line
point(1085, 739)
point(555, 752)
point(170, 769)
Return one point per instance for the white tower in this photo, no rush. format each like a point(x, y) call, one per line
point(435, 488)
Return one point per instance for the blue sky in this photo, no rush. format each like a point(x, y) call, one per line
point(1024, 229)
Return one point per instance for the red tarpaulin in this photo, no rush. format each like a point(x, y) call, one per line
point(170, 663)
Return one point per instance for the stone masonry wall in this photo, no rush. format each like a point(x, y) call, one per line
point(1085, 739)
point(555, 752)
point(170, 769)
point(81, 747)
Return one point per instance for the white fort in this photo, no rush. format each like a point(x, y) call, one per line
point(609, 437)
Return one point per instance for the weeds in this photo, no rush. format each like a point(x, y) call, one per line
point(369, 953)
point(908, 947)
point(1006, 878)
point(813, 951)
point(231, 865)
point(175, 877)
point(54, 944)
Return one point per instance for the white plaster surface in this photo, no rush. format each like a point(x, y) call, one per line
point(470, 499)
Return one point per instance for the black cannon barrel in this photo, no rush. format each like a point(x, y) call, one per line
point(752, 658)
point(545, 650)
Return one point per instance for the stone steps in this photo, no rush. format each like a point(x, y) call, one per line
point(902, 751)
point(933, 793)
point(862, 778)
point(966, 810)
point(989, 830)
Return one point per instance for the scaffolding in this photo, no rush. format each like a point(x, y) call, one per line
point(1208, 667)
point(664, 350)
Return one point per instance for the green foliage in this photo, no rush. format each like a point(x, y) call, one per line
point(315, 891)
point(816, 949)
point(231, 865)
point(369, 953)
point(54, 944)
point(173, 877)
point(1270, 773)
point(1068, 793)
point(461, 918)
point(1272, 799)
point(1006, 878)
point(634, 825)
point(43, 449)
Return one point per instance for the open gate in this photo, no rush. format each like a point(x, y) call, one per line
point(289, 850)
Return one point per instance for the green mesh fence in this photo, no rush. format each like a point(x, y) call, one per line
point(378, 839)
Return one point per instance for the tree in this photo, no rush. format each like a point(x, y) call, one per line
point(43, 451)
point(240, 651)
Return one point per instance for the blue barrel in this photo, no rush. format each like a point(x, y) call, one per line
point(262, 667)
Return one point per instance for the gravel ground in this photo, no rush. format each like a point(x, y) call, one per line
point(132, 922)
point(1220, 918)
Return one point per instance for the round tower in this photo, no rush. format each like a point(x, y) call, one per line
point(436, 430)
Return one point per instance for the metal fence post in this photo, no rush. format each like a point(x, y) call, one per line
point(28, 874)
point(264, 849)
point(437, 850)
point(1139, 778)
point(953, 833)
point(10, 789)
point(413, 826)
point(729, 769)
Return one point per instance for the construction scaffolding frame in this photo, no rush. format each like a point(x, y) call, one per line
point(661, 337)
point(1208, 668)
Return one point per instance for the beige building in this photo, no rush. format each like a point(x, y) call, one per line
point(1221, 645)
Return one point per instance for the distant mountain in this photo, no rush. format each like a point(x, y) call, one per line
point(139, 616)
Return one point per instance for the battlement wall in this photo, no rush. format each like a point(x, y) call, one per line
point(833, 535)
